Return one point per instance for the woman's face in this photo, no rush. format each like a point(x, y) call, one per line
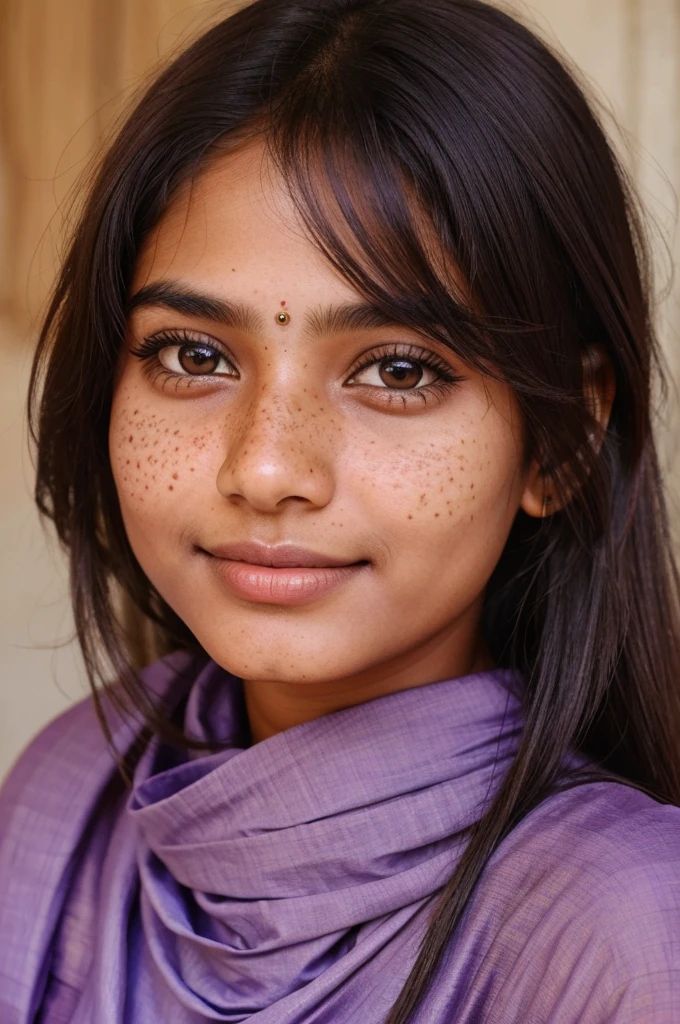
point(395, 468)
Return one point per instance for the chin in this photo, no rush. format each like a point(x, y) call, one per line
point(307, 661)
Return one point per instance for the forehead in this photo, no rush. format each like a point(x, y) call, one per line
point(236, 218)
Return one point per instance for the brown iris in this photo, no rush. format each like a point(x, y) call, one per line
point(400, 373)
point(198, 359)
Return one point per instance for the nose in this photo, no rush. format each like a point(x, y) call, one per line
point(278, 455)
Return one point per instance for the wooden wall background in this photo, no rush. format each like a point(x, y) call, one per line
point(67, 70)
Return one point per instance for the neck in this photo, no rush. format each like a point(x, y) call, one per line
point(273, 706)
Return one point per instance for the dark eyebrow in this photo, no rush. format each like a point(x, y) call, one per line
point(208, 307)
point(349, 316)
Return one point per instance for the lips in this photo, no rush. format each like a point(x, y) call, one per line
point(279, 556)
point(282, 574)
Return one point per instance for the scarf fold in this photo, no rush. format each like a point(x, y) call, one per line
point(262, 866)
point(289, 881)
point(292, 881)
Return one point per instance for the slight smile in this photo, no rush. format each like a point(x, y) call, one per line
point(283, 574)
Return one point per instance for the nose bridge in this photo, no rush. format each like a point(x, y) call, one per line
point(280, 449)
point(275, 417)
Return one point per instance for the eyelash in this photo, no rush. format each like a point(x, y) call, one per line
point(445, 382)
point(155, 343)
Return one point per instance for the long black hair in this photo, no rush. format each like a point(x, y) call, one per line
point(415, 135)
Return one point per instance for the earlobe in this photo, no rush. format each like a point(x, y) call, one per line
point(538, 498)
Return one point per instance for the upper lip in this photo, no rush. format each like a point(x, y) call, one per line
point(279, 556)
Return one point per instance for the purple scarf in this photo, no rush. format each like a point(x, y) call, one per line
point(290, 882)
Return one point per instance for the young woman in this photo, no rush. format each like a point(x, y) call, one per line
point(345, 387)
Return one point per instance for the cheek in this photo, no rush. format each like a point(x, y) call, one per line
point(437, 487)
point(155, 461)
point(446, 503)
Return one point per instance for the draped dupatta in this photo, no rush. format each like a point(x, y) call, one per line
point(291, 881)
point(285, 881)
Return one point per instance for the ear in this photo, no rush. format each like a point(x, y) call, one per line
point(539, 498)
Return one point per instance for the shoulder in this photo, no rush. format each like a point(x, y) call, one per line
point(62, 788)
point(56, 765)
point(600, 841)
point(59, 764)
point(54, 786)
point(584, 897)
point(45, 804)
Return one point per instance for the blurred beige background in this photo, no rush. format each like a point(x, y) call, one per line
point(67, 70)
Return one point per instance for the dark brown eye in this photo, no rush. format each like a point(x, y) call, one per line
point(186, 357)
point(400, 373)
point(198, 359)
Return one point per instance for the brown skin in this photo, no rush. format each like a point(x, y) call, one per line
point(279, 445)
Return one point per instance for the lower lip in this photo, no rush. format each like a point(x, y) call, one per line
point(266, 585)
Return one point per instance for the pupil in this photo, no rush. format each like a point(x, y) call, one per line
point(198, 359)
point(400, 373)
